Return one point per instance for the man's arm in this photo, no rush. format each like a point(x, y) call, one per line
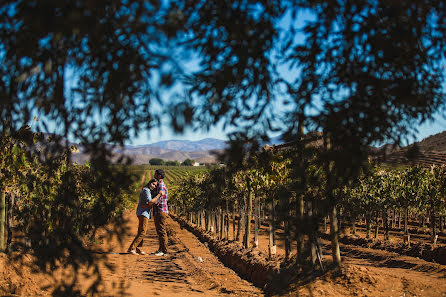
point(155, 199)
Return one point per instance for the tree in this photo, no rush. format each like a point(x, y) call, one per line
point(363, 73)
point(156, 161)
point(188, 162)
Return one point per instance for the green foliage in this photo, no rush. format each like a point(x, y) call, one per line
point(59, 203)
point(156, 161)
point(415, 188)
point(188, 162)
point(170, 163)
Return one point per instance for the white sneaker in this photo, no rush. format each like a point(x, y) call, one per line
point(133, 252)
point(159, 253)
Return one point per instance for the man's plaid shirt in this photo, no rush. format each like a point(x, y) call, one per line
point(161, 204)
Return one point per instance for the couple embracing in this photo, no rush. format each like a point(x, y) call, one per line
point(152, 197)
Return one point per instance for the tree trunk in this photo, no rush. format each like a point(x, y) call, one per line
point(217, 222)
point(368, 225)
point(257, 222)
point(376, 225)
point(441, 224)
point(233, 224)
point(434, 227)
point(353, 225)
point(211, 222)
point(272, 238)
point(9, 215)
point(386, 224)
point(406, 221)
point(246, 242)
point(399, 219)
point(208, 220)
point(221, 223)
point(2, 219)
point(300, 229)
point(312, 235)
point(241, 222)
point(393, 218)
point(287, 225)
point(336, 252)
point(226, 220)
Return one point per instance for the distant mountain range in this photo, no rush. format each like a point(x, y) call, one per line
point(201, 151)
point(207, 144)
point(204, 151)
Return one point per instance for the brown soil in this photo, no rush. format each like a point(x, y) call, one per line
point(190, 269)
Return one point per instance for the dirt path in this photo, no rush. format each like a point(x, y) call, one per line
point(189, 269)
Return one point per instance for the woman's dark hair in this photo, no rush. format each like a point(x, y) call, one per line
point(151, 181)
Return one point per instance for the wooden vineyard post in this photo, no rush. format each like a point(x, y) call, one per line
point(399, 219)
point(353, 225)
point(272, 238)
point(2, 219)
point(407, 239)
point(386, 225)
point(241, 220)
point(441, 223)
point(222, 223)
point(368, 225)
point(300, 228)
point(336, 252)
point(211, 221)
point(325, 224)
point(334, 230)
point(217, 222)
point(256, 222)
point(233, 223)
point(246, 242)
point(406, 221)
point(226, 220)
point(376, 225)
point(207, 220)
point(287, 227)
point(433, 226)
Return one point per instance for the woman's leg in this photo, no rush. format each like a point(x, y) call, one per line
point(142, 227)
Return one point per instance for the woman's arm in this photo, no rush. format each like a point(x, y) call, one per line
point(155, 199)
point(147, 197)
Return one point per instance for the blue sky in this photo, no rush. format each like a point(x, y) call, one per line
point(427, 129)
point(165, 133)
point(437, 125)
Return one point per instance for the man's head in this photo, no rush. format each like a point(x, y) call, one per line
point(159, 174)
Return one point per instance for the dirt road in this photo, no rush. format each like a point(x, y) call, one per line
point(189, 269)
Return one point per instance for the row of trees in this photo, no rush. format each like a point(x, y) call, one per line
point(384, 193)
point(295, 193)
point(158, 161)
point(54, 202)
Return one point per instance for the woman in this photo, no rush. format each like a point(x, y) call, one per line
point(143, 211)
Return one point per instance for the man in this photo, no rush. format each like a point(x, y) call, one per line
point(160, 212)
point(143, 212)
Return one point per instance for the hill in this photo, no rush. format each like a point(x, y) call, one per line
point(427, 152)
point(434, 143)
point(202, 151)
